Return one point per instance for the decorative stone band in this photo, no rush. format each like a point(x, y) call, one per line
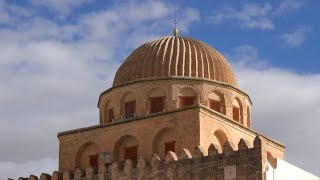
point(204, 108)
point(210, 81)
point(245, 163)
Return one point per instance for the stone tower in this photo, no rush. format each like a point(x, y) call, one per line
point(170, 94)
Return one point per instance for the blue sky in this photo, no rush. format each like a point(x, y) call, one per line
point(58, 55)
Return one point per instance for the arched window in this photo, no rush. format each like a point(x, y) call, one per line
point(237, 110)
point(110, 115)
point(88, 155)
point(187, 97)
point(108, 112)
point(169, 146)
point(216, 102)
point(156, 104)
point(130, 109)
point(156, 100)
point(126, 148)
point(164, 141)
point(187, 100)
point(128, 105)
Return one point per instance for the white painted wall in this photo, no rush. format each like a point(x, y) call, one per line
point(287, 171)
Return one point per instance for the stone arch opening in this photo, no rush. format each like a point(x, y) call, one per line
point(108, 112)
point(156, 100)
point(165, 140)
point(219, 138)
point(237, 110)
point(216, 102)
point(88, 155)
point(128, 105)
point(126, 148)
point(187, 97)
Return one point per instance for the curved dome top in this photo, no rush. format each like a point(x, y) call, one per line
point(175, 56)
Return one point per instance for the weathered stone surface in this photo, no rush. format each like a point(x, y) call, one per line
point(33, 177)
point(45, 176)
point(155, 161)
point(91, 171)
point(185, 154)
point(171, 157)
point(213, 149)
point(78, 174)
point(242, 145)
point(199, 152)
point(57, 175)
point(67, 175)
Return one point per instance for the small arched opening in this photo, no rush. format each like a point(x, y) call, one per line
point(237, 110)
point(128, 105)
point(164, 141)
point(109, 113)
point(219, 138)
point(88, 155)
point(126, 148)
point(187, 97)
point(216, 102)
point(156, 100)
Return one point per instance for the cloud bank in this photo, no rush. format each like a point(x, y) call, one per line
point(285, 105)
point(53, 71)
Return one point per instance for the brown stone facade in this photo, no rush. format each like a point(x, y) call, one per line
point(171, 88)
point(188, 127)
point(242, 164)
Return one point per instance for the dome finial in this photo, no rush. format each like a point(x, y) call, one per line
point(175, 30)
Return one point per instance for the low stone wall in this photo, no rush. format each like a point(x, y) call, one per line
point(243, 164)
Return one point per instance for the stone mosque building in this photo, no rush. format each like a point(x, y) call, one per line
point(174, 111)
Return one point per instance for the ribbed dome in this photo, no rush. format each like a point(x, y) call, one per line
point(175, 56)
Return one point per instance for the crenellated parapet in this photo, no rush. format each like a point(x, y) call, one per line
point(245, 164)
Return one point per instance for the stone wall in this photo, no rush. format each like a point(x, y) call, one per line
point(171, 89)
point(243, 164)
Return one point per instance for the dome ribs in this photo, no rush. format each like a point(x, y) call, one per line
point(164, 69)
point(136, 64)
point(159, 57)
point(152, 59)
point(199, 59)
point(206, 64)
point(218, 67)
point(183, 73)
point(127, 72)
point(171, 50)
point(226, 77)
point(212, 65)
point(175, 57)
point(188, 60)
point(194, 61)
point(145, 60)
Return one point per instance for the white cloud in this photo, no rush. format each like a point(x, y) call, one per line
point(250, 16)
point(62, 7)
point(256, 15)
point(297, 37)
point(288, 6)
point(285, 106)
point(52, 74)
